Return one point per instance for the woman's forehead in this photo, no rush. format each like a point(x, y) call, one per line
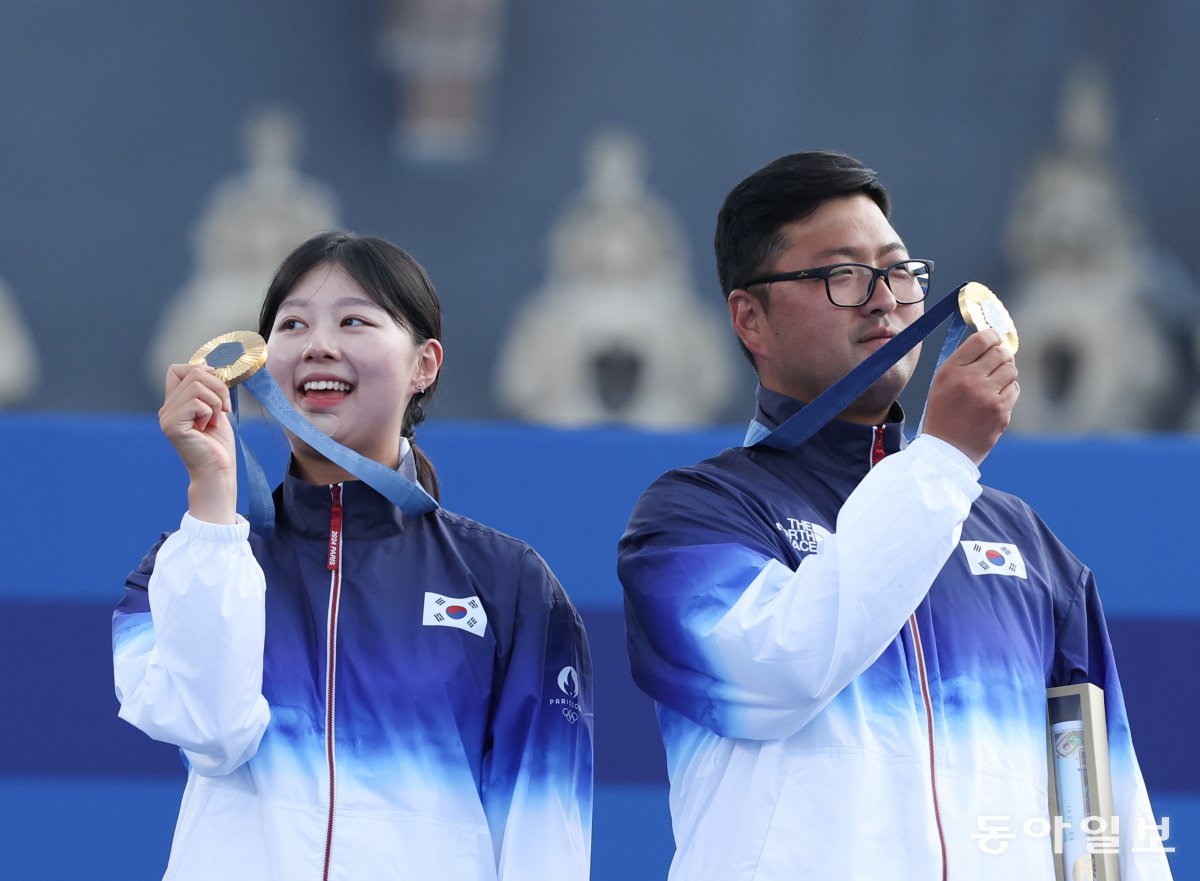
point(314, 300)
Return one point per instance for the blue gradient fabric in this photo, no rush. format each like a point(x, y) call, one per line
point(452, 733)
point(850, 662)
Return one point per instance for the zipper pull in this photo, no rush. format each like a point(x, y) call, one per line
point(335, 528)
point(877, 450)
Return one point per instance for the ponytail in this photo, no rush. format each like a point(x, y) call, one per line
point(426, 476)
point(414, 415)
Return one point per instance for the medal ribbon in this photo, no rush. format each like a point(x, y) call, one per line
point(409, 497)
point(823, 409)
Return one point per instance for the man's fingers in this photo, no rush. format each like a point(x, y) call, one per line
point(1011, 392)
point(977, 346)
point(1004, 373)
point(984, 355)
point(972, 397)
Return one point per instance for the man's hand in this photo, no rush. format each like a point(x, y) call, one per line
point(972, 396)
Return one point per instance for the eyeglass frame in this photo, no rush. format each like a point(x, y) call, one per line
point(822, 273)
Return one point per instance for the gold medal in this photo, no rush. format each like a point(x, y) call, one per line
point(982, 309)
point(237, 355)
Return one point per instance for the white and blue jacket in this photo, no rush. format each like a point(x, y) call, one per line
point(849, 654)
point(359, 694)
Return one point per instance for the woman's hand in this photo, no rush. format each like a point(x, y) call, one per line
point(194, 417)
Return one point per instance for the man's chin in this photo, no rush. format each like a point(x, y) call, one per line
point(885, 392)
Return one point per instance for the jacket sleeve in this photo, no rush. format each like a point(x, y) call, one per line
point(1084, 654)
point(188, 646)
point(537, 775)
point(724, 633)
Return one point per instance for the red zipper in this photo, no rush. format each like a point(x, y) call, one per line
point(877, 449)
point(924, 680)
point(334, 564)
point(877, 453)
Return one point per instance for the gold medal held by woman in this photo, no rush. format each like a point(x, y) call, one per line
point(236, 356)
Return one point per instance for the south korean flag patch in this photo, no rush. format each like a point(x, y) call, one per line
point(466, 614)
point(994, 558)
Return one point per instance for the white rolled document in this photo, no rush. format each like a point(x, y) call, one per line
point(1081, 806)
point(1074, 802)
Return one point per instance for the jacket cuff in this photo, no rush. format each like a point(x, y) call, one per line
point(953, 461)
point(216, 533)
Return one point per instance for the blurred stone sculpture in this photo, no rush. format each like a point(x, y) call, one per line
point(1095, 303)
point(252, 222)
point(616, 334)
point(19, 369)
point(444, 54)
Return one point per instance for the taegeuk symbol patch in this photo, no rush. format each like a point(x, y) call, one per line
point(994, 558)
point(466, 614)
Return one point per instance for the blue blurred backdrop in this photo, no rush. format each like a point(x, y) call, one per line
point(83, 795)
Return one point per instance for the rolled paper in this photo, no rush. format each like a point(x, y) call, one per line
point(1074, 802)
point(982, 310)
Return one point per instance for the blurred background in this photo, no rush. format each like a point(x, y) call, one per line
point(557, 168)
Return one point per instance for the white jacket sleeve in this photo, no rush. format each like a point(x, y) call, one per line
point(188, 651)
point(536, 781)
point(726, 634)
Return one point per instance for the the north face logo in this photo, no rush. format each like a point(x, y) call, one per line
point(803, 536)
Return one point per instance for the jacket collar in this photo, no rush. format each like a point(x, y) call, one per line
point(839, 445)
point(306, 507)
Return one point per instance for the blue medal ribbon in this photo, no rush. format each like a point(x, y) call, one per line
point(409, 497)
point(823, 409)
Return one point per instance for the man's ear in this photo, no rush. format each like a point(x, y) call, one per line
point(748, 315)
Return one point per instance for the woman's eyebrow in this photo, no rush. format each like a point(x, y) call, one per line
point(344, 302)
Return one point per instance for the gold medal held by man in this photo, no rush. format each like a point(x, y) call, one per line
point(982, 309)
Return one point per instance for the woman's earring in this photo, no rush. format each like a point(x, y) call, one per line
point(420, 388)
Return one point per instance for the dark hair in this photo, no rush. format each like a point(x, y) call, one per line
point(389, 276)
point(750, 222)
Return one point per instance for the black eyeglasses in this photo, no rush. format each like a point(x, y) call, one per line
point(852, 284)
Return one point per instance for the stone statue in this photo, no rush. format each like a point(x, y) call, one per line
point(444, 54)
point(616, 334)
point(251, 223)
point(19, 369)
point(1090, 302)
